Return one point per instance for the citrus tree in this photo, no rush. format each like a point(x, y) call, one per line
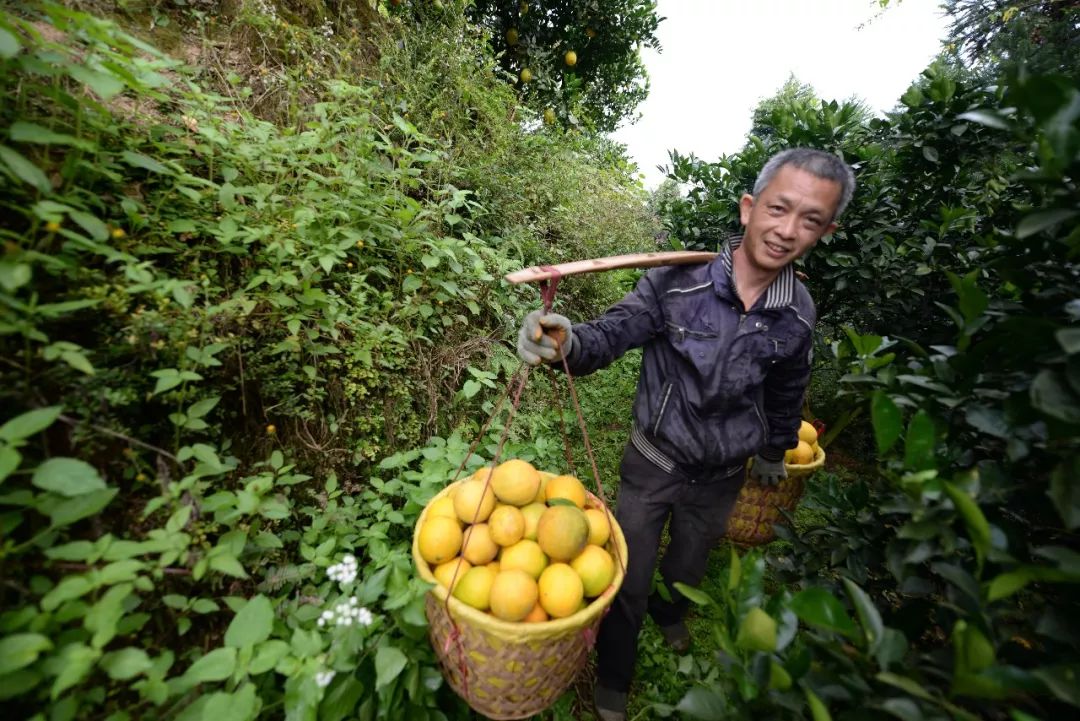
point(577, 63)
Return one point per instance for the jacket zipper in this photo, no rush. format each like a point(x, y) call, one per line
point(663, 407)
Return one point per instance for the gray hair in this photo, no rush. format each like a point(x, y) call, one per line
point(816, 162)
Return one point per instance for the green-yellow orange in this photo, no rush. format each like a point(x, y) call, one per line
point(596, 568)
point(561, 591)
point(562, 532)
point(475, 587)
point(507, 525)
point(531, 513)
point(525, 555)
point(440, 539)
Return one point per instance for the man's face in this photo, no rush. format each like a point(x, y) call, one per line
point(788, 217)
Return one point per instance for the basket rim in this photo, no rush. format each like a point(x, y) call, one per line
point(517, 630)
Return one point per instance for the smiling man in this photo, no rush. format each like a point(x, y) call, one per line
point(725, 364)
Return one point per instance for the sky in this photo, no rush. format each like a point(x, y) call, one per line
point(719, 58)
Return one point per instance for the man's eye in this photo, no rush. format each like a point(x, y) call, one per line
point(776, 209)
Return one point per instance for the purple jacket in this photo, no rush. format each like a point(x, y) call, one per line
point(717, 385)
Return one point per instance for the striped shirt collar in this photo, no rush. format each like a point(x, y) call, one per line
point(780, 293)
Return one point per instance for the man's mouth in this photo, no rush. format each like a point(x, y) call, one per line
point(776, 249)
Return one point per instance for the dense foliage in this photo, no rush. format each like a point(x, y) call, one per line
point(250, 321)
point(941, 586)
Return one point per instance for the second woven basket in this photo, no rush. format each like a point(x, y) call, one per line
point(757, 507)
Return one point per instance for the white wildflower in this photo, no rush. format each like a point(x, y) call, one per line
point(346, 612)
point(344, 572)
point(323, 678)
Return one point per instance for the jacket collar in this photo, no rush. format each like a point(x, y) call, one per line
point(780, 293)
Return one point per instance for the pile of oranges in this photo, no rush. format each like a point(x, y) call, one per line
point(518, 543)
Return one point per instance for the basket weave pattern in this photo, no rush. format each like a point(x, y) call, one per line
point(757, 507)
point(512, 670)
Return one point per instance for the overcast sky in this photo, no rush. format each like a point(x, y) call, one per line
point(719, 58)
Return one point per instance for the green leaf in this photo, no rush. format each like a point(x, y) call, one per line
point(1062, 681)
point(29, 423)
point(252, 623)
point(1054, 397)
point(1006, 584)
point(103, 616)
point(869, 616)
point(977, 526)
point(76, 661)
point(985, 117)
point(138, 160)
point(389, 663)
point(411, 284)
point(80, 507)
point(818, 710)
point(201, 408)
point(9, 461)
point(229, 565)
point(105, 84)
point(885, 416)
point(818, 607)
point(24, 170)
point(67, 476)
point(919, 443)
point(1036, 222)
point(217, 665)
point(1065, 492)
point(91, 224)
point(694, 594)
point(9, 44)
point(20, 650)
point(734, 571)
point(930, 153)
point(25, 132)
point(69, 587)
point(703, 703)
point(14, 275)
point(127, 663)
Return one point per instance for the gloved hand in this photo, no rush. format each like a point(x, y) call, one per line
point(766, 472)
point(544, 338)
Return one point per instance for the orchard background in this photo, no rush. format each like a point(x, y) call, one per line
point(251, 319)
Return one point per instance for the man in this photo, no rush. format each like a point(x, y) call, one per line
point(725, 364)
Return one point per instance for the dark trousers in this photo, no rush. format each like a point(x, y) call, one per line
point(648, 497)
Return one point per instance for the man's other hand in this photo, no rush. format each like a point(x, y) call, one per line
point(766, 472)
point(544, 338)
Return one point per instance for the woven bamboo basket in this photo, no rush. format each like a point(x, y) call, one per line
point(512, 670)
point(757, 507)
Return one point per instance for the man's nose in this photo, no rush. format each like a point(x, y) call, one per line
point(788, 226)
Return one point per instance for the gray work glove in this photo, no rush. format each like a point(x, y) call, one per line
point(766, 472)
point(544, 338)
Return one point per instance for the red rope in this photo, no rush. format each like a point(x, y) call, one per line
point(455, 631)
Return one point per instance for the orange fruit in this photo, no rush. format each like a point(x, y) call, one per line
point(567, 487)
point(513, 595)
point(561, 590)
point(515, 482)
point(477, 547)
point(596, 568)
point(525, 555)
point(507, 525)
point(474, 501)
point(599, 526)
point(562, 532)
point(440, 539)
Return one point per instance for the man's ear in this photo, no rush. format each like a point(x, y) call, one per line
point(829, 230)
point(746, 204)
